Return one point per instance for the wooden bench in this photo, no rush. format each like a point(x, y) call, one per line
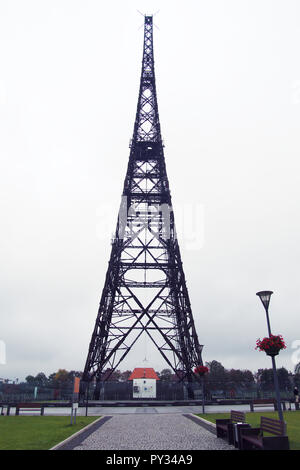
point(3, 408)
point(295, 403)
point(254, 438)
point(265, 402)
point(224, 427)
point(29, 407)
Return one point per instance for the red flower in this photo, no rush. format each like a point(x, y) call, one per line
point(201, 370)
point(271, 342)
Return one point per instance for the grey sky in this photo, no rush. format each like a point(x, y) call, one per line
point(228, 83)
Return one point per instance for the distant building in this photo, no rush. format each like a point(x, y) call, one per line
point(144, 382)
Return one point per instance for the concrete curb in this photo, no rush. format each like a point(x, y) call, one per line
point(204, 421)
point(76, 434)
point(208, 425)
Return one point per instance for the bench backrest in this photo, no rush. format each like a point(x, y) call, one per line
point(259, 401)
point(273, 426)
point(237, 416)
point(29, 405)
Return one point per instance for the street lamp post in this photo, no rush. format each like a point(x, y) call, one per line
point(203, 395)
point(203, 391)
point(265, 299)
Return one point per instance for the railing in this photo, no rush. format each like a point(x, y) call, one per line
point(123, 391)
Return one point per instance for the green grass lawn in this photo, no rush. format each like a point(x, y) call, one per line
point(38, 432)
point(292, 419)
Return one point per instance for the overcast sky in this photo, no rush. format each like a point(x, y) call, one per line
point(228, 84)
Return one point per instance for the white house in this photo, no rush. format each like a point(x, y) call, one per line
point(144, 382)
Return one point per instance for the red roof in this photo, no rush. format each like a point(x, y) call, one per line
point(143, 373)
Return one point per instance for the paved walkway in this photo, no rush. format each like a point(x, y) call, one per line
point(148, 431)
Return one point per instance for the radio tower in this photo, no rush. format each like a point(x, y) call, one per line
point(145, 289)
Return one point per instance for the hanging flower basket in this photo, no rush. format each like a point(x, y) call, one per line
point(271, 345)
point(201, 370)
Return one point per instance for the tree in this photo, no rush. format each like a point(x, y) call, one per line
point(30, 380)
point(115, 376)
point(297, 375)
point(166, 375)
point(265, 378)
point(216, 379)
point(216, 369)
point(240, 378)
point(41, 380)
point(284, 379)
point(51, 378)
point(125, 375)
point(62, 379)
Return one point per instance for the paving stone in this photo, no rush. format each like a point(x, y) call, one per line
point(143, 431)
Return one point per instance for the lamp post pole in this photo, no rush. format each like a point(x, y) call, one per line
point(203, 396)
point(265, 299)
